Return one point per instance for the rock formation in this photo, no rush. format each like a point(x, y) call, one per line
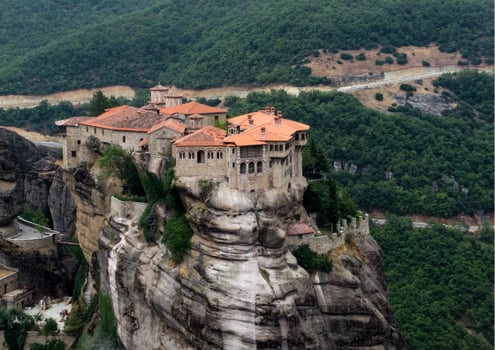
point(27, 177)
point(240, 287)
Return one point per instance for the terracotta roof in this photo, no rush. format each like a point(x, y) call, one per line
point(74, 121)
point(192, 108)
point(299, 228)
point(206, 136)
point(263, 127)
point(126, 118)
point(170, 123)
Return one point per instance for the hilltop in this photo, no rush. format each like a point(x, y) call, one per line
point(197, 45)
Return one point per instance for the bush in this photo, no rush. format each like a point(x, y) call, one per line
point(426, 64)
point(379, 96)
point(50, 327)
point(346, 56)
point(361, 57)
point(149, 223)
point(388, 49)
point(401, 58)
point(379, 62)
point(389, 60)
point(177, 237)
point(311, 261)
point(407, 87)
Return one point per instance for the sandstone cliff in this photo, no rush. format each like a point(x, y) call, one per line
point(239, 287)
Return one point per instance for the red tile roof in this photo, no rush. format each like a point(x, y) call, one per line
point(192, 108)
point(74, 121)
point(170, 123)
point(206, 136)
point(126, 118)
point(264, 127)
point(299, 228)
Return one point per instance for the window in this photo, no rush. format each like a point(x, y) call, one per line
point(87, 129)
point(73, 153)
point(216, 119)
point(259, 167)
point(102, 131)
point(251, 151)
point(243, 168)
point(182, 155)
point(201, 156)
point(233, 165)
point(191, 155)
point(233, 150)
point(303, 136)
point(78, 142)
point(219, 155)
point(94, 130)
point(251, 167)
point(297, 137)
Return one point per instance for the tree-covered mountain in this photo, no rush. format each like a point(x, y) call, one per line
point(56, 45)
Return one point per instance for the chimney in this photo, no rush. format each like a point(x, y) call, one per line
point(267, 109)
point(272, 110)
point(263, 132)
point(250, 120)
point(278, 117)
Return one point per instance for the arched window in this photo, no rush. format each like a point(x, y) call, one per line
point(243, 168)
point(219, 155)
point(210, 154)
point(251, 167)
point(259, 167)
point(182, 155)
point(201, 156)
point(191, 155)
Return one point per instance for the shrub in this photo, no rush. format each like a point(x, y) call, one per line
point(346, 56)
point(50, 328)
point(426, 64)
point(361, 57)
point(389, 60)
point(311, 261)
point(149, 223)
point(407, 87)
point(401, 58)
point(379, 96)
point(177, 237)
point(108, 322)
point(409, 94)
point(388, 49)
point(379, 62)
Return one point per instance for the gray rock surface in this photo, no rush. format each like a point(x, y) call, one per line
point(28, 177)
point(240, 287)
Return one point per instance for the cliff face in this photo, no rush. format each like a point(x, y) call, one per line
point(28, 177)
point(240, 287)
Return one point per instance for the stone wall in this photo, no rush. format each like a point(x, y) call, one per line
point(126, 209)
point(322, 243)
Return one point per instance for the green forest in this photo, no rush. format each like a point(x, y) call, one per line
point(440, 283)
point(62, 45)
point(406, 162)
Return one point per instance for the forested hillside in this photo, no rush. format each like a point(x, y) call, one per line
point(60, 45)
point(406, 162)
point(441, 285)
